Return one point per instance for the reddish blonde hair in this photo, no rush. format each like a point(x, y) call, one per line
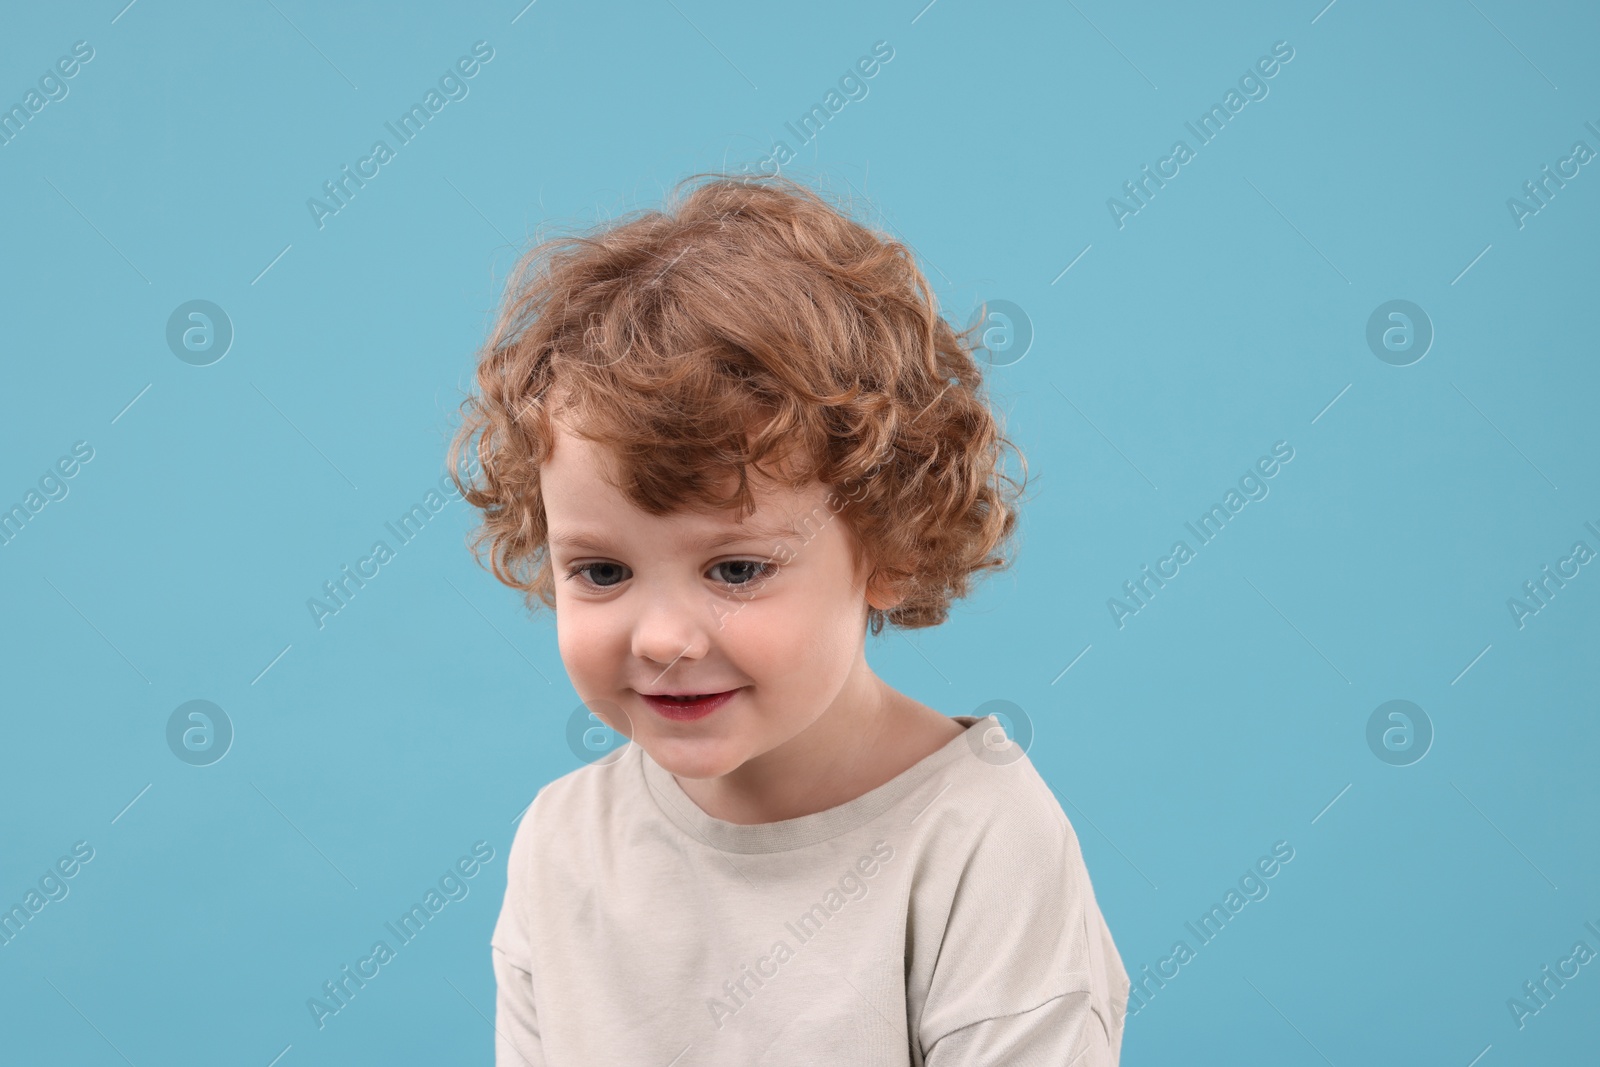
point(750, 325)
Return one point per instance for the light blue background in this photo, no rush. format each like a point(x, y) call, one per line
point(1227, 315)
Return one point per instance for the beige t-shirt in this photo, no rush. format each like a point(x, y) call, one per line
point(943, 919)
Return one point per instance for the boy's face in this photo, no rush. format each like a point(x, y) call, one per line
point(652, 605)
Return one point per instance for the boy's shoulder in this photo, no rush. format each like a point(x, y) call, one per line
point(991, 789)
point(594, 789)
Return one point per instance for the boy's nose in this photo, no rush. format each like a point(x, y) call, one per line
point(668, 630)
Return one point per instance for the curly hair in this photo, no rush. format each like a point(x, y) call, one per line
point(749, 324)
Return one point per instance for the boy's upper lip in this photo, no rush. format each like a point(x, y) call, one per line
point(687, 692)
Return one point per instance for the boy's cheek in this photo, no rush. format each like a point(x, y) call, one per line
point(589, 648)
point(570, 642)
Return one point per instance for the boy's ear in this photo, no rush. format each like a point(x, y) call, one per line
point(881, 594)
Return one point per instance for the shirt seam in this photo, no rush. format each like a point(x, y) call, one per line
point(1089, 993)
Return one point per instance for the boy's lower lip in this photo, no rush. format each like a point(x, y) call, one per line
point(688, 710)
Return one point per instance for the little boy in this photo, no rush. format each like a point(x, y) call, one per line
point(722, 443)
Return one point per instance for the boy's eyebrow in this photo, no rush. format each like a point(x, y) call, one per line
point(597, 542)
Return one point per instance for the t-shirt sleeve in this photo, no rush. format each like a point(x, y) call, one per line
point(1065, 1031)
point(516, 1029)
point(1027, 973)
point(516, 1026)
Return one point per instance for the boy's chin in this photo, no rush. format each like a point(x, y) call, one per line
point(696, 758)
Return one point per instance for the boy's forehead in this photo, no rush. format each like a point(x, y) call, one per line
point(582, 501)
point(580, 469)
point(603, 535)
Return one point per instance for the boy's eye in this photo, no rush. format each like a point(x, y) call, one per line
point(605, 582)
point(747, 571)
point(737, 573)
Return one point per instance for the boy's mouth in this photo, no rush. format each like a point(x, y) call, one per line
point(686, 707)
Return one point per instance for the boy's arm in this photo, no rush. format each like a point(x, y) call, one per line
point(1065, 1032)
point(516, 1028)
point(1026, 971)
point(516, 1024)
